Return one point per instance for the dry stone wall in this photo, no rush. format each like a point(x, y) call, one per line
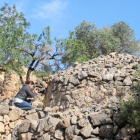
point(88, 123)
point(81, 104)
point(102, 80)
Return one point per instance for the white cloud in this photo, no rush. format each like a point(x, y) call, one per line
point(22, 5)
point(51, 10)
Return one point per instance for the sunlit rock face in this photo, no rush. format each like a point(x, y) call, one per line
point(10, 83)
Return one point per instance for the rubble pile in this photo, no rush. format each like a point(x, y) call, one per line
point(102, 80)
point(81, 104)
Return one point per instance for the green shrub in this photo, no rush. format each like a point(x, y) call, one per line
point(40, 74)
point(130, 112)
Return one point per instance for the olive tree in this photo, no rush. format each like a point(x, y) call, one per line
point(19, 48)
point(88, 41)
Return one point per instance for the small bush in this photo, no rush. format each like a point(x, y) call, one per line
point(40, 74)
point(130, 112)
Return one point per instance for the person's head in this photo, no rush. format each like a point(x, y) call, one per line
point(30, 83)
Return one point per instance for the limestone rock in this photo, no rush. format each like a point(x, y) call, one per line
point(69, 133)
point(46, 136)
point(2, 129)
point(12, 125)
point(1, 118)
point(32, 117)
point(47, 109)
point(41, 83)
point(4, 109)
point(57, 115)
point(96, 131)
point(15, 114)
point(19, 122)
point(77, 132)
point(77, 138)
point(83, 122)
point(25, 136)
point(74, 80)
point(41, 124)
point(127, 81)
point(6, 119)
point(41, 114)
point(34, 125)
point(24, 127)
point(7, 128)
point(65, 123)
point(8, 137)
point(88, 99)
point(108, 77)
point(40, 138)
point(86, 131)
point(82, 75)
point(98, 119)
point(59, 135)
point(74, 120)
point(50, 122)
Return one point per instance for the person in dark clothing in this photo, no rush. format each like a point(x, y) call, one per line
point(20, 99)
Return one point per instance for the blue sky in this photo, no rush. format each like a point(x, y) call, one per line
point(65, 15)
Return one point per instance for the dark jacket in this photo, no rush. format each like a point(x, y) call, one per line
point(25, 92)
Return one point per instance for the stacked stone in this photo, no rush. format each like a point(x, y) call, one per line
point(82, 104)
point(87, 123)
point(11, 117)
point(41, 86)
point(103, 79)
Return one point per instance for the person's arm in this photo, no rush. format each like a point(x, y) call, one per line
point(35, 90)
point(30, 92)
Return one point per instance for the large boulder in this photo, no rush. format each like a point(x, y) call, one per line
point(98, 119)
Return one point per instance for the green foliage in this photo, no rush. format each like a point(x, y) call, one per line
point(13, 34)
point(88, 42)
point(37, 51)
point(88, 33)
point(45, 71)
point(107, 42)
point(41, 74)
point(130, 112)
point(126, 37)
point(73, 49)
point(19, 48)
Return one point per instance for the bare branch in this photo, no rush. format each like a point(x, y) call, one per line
point(23, 50)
